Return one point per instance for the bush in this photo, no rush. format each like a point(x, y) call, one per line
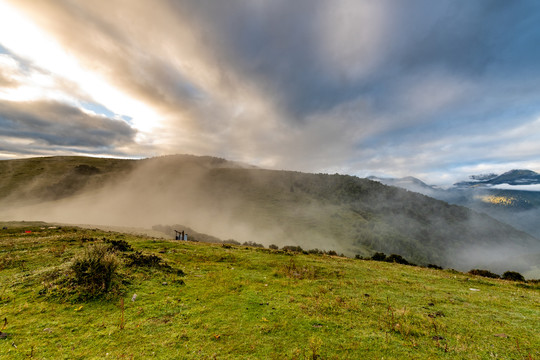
point(151, 261)
point(397, 259)
point(120, 245)
point(273, 247)
point(513, 276)
point(140, 259)
point(293, 248)
point(95, 270)
point(433, 266)
point(253, 244)
point(484, 273)
point(378, 256)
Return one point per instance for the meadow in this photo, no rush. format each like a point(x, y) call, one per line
point(187, 300)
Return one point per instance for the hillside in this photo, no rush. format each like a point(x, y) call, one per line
point(512, 198)
point(233, 201)
point(183, 300)
point(51, 178)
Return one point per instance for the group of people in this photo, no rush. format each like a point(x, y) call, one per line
point(180, 235)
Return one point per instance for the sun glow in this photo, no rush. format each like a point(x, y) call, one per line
point(24, 39)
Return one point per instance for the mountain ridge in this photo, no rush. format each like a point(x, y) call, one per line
point(512, 177)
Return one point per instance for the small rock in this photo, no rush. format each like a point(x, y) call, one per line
point(133, 297)
point(49, 330)
point(501, 335)
point(473, 289)
point(164, 283)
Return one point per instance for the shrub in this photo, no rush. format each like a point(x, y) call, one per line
point(378, 256)
point(484, 273)
point(397, 259)
point(120, 245)
point(433, 266)
point(293, 248)
point(140, 259)
point(151, 261)
point(95, 270)
point(252, 244)
point(273, 247)
point(513, 276)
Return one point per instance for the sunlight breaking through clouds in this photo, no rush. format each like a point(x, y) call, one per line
point(386, 88)
point(51, 68)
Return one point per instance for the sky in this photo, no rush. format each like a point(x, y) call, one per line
point(439, 90)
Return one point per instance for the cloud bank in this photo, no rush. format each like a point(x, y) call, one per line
point(432, 89)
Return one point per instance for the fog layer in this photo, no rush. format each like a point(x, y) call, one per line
point(233, 201)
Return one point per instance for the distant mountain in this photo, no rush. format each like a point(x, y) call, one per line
point(500, 196)
point(409, 183)
point(512, 177)
point(234, 201)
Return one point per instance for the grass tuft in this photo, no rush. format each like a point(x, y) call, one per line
point(95, 270)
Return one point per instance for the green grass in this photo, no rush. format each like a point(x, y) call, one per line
point(249, 303)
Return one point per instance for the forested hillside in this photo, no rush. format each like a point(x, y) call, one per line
point(232, 201)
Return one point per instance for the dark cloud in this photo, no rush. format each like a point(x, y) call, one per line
point(58, 124)
point(280, 45)
point(345, 85)
point(275, 45)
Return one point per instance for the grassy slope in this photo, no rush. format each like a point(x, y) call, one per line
point(48, 178)
point(247, 303)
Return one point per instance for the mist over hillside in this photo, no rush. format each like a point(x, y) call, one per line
point(236, 201)
point(512, 197)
